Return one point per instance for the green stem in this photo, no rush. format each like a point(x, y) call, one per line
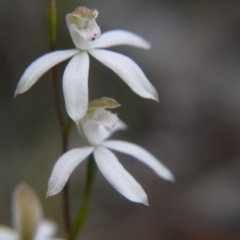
point(52, 21)
point(82, 212)
point(65, 126)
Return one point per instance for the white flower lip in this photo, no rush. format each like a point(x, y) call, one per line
point(96, 133)
point(82, 26)
point(85, 34)
point(98, 125)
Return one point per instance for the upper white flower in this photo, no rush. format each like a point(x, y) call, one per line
point(85, 35)
point(27, 218)
point(96, 126)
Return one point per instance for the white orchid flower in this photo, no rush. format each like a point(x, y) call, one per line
point(85, 35)
point(27, 218)
point(96, 126)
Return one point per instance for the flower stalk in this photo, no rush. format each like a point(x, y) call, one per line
point(64, 125)
point(52, 21)
point(82, 212)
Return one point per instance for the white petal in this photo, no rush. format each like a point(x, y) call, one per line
point(128, 70)
point(75, 86)
point(119, 37)
point(27, 211)
point(37, 68)
point(142, 155)
point(8, 234)
point(118, 177)
point(64, 167)
point(46, 229)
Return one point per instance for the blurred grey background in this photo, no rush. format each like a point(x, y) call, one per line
point(195, 130)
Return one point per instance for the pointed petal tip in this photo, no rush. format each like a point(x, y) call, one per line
point(51, 190)
point(145, 202)
point(47, 195)
point(17, 92)
point(172, 179)
point(148, 46)
point(76, 117)
point(50, 194)
point(169, 177)
point(156, 97)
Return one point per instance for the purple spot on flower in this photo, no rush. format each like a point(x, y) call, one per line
point(93, 38)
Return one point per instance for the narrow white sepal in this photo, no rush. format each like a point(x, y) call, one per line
point(41, 65)
point(128, 70)
point(119, 37)
point(142, 155)
point(7, 233)
point(75, 86)
point(64, 167)
point(118, 177)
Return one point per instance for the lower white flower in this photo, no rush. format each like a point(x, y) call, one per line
point(97, 125)
point(27, 218)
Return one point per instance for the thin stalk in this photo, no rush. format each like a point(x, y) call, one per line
point(82, 212)
point(65, 193)
point(52, 23)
